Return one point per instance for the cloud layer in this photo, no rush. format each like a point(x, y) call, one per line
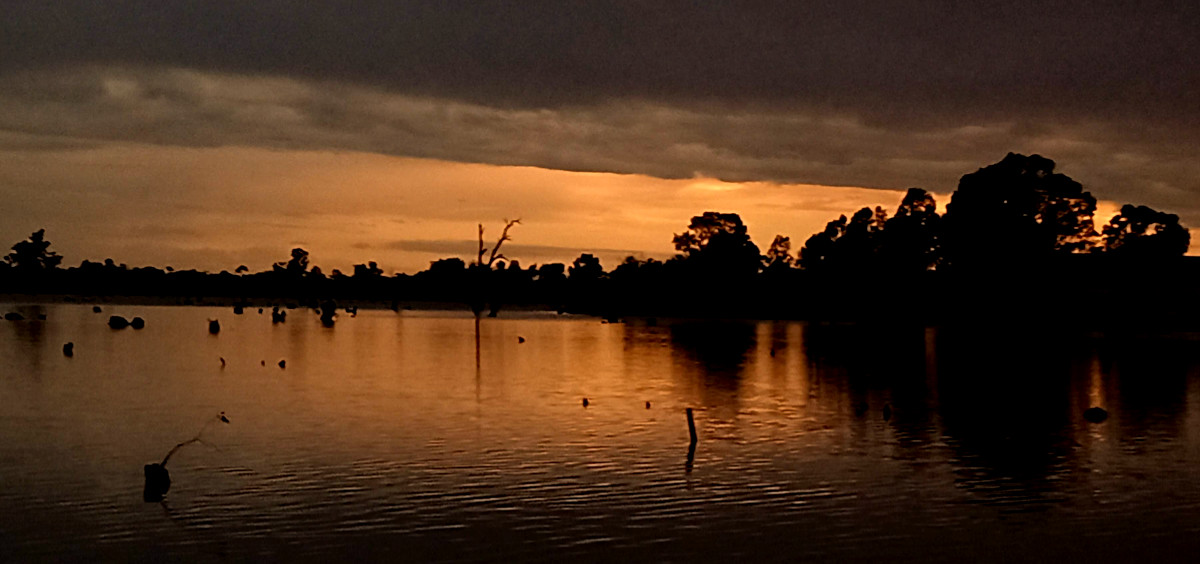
point(96, 105)
point(883, 61)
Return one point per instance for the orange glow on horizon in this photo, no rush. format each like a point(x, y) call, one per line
point(217, 208)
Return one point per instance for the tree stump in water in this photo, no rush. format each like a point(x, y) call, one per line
point(158, 481)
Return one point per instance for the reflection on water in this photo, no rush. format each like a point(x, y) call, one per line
point(438, 437)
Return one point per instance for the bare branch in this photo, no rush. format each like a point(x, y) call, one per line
point(220, 418)
point(503, 237)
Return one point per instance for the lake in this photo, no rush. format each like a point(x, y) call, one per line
point(422, 436)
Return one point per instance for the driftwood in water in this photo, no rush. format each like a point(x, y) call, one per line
point(158, 480)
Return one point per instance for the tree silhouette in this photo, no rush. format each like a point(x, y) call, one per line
point(585, 268)
point(369, 270)
point(1017, 208)
point(779, 255)
point(555, 272)
point(909, 240)
point(1139, 231)
point(718, 243)
point(297, 265)
point(33, 255)
point(447, 267)
point(846, 244)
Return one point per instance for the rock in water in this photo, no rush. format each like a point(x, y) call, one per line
point(1095, 414)
point(96, 309)
point(69, 349)
point(13, 316)
point(118, 322)
point(137, 323)
point(214, 326)
point(158, 481)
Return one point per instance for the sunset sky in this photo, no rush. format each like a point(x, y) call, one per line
point(212, 134)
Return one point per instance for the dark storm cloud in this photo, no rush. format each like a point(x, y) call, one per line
point(1147, 164)
point(892, 62)
point(873, 94)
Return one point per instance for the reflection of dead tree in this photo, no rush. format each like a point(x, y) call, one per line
point(495, 256)
point(484, 268)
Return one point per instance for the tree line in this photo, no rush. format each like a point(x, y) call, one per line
point(1010, 231)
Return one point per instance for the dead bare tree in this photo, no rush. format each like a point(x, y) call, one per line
point(485, 292)
point(495, 256)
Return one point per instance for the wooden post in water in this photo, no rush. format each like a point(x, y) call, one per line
point(691, 456)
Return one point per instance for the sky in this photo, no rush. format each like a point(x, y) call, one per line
point(214, 134)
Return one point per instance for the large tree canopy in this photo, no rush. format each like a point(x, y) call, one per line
point(718, 243)
point(1017, 208)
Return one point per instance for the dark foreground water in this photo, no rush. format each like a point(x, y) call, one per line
point(413, 437)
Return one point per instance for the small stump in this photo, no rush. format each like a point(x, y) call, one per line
point(1095, 414)
point(158, 481)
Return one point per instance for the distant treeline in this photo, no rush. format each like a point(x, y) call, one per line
point(1017, 240)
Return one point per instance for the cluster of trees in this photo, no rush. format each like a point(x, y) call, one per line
point(1017, 210)
point(1018, 214)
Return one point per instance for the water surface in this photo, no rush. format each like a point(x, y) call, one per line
point(418, 436)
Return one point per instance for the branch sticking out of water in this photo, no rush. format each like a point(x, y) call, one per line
point(219, 418)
